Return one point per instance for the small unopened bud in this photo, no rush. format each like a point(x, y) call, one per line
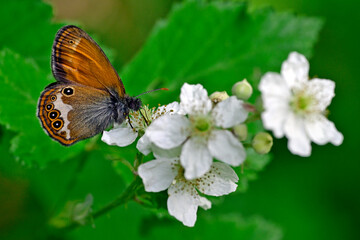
point(217, 97)
point(241, 131)
point(242, 90)
point(262, 142)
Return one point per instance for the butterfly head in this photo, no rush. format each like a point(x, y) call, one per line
point(122, 107)
point(133, 103)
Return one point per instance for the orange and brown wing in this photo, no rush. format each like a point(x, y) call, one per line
point(71, 112)
point(76, 57)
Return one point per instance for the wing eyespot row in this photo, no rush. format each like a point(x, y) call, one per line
point(46, 124)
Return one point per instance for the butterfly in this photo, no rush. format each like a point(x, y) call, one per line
point(88, 94)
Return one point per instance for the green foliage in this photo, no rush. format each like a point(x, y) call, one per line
point(24, 73)
point(27, 28)
point(21, 82)
point(216, 44)
point(233, 227)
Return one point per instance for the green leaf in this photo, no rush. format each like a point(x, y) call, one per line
point(226, 226)
point(216, 44)
point(32, 31)
point(21, 82)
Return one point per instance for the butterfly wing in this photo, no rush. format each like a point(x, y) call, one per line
point(76, 57)
point(71, 112)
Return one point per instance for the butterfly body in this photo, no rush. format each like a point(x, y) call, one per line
point(88, 95)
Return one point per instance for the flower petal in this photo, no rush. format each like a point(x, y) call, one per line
point(298, 141)
point(183, 202)
point(274, 119)
point(321, 130)
point(144, 145)
point(169, 131)
point(295, 69)
point(166, 153)
point(224, 146)
point(276, 97)
point(195, 158)
point(273, 84)
point(157, 175)
point(121, 135)
point(170, 108)
point(220, 180)
point(229, 112)
point(194, 99)
point(204, 203)
point(323, 90)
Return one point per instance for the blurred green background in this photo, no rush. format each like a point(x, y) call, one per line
point(307, 198)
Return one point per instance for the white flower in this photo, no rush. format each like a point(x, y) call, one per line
point(295, 106)
point(184, 199)
point(125, 134)
point(202, 132)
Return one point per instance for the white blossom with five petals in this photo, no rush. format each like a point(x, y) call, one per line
point(202, 131)
point(184, 199)
point(295, 107)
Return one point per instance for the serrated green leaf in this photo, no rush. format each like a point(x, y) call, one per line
point(27, 28)
point(21, 82)
point(216, 44)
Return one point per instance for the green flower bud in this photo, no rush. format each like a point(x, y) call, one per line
point(242, 90)
point(241, 131)
point(262, 142)
point(217, 97)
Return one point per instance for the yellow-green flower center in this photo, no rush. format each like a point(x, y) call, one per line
point(302, 103)
point(202, 124)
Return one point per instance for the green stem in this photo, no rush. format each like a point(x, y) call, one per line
point(125, 197)
point(254, 117)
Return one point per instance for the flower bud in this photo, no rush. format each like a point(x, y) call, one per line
point(82, 211)
point(241, 131)
point(217, 97)
point(262, 142)
point(242, 90)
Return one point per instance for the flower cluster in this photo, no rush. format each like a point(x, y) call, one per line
point(196, 142)
point(185, 138)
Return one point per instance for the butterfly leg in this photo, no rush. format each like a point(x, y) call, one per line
point(147, 123)
point(129, 120)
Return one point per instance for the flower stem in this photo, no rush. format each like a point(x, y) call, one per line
point(125, 197)
point(254, 117)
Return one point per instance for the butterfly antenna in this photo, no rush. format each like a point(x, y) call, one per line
point(166, 89)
